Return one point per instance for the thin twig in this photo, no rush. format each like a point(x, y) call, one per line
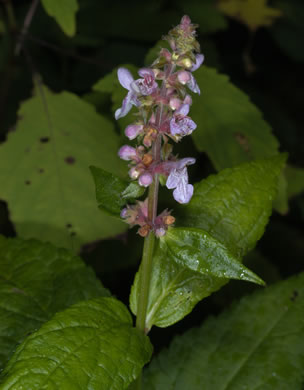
point(27, 21)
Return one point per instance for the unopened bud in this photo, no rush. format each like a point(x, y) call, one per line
point(184, 77)
point(144, 230)
point(168, 220)
point(147, 159)
point(132, 131)
point(145, 179)
point(175, 103)
point(134, 173)
point(127, 153)
point(160, 232)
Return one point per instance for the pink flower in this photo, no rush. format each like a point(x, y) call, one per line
point(127, 153)
point(178, 179)
point(186, 78)
point(181, 124)
point(147, 85)
point(132, 131)
point(199, 60)
point(145, 179)
point(126, 79)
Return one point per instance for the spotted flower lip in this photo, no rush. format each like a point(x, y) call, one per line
point(126, 80)
point(147, 84)
point(178, 179)
point(181, 124)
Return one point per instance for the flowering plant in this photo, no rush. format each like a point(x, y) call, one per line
point(61, 329)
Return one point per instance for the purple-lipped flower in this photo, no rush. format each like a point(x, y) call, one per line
point(147, 85)
point(186, 78)
point(178, 179)
point(181, 124)
point(144, 86)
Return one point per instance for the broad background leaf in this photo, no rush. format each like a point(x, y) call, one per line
point(36, 281)
point(253, 13)
point(48, 186)
point(230, 129)
point(91, 345)
point(257, 344)
point(233, 207)
point(64, 12)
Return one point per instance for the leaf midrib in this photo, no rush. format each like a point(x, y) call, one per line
point(255, 347)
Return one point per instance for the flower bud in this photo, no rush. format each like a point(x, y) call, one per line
point(175, 103)
point(132, 131)
point(184, 77)
point(145, 179)
point(160, 232)
point(144, 230)
point(127, 153)
point(134, 173)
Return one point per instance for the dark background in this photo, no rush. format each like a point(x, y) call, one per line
point(110, 33)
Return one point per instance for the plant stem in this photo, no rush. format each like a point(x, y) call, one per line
point(144, 282)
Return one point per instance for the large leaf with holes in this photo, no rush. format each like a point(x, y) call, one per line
point(91, 345)
point(64, 12)
point(230, 128)
point(232, 208)
point(257, 344)
point(44, 170)
point(36, 281)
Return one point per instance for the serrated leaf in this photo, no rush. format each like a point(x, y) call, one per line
point(253, 13)
point(36, 281)
point(90, 345)
point(64, 12)
point(223, 112)
point(109, 190)
point(199, 251)
point(48, 188)
point(234, 205)
point(257, 344)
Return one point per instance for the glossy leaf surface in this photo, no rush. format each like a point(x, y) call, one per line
point(220, 207)
point(234, 205)
point(36, 281)
point(256, 344)
point(199, 251)
point(91, 345)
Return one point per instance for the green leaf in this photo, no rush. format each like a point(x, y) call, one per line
point(91, 345)
point(234, 206)
point(257, 344)
point(230, 129)
point(64, 12)
point(49, 190)
point(295, 180)
point(133, 191)
point(109, 190)
point(36, 281)
point(199, 251)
